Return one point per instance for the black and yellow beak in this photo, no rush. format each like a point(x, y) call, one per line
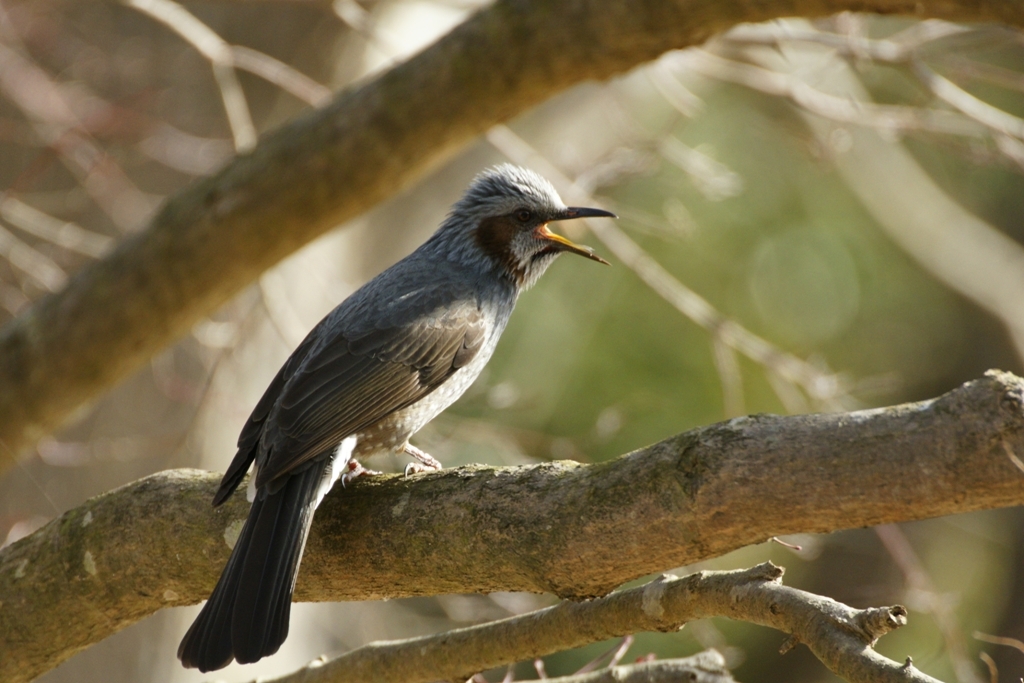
point(567, 245)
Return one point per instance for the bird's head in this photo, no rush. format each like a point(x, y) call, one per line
point(502, 220)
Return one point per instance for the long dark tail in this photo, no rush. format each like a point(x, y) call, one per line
point(246, 617)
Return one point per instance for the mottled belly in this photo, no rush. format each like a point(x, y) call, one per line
point(393, 432)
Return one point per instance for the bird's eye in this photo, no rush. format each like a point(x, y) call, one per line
point(523, 215)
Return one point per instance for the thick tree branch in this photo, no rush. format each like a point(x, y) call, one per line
point(570, 529)
point(332, 164)
point(842, 637)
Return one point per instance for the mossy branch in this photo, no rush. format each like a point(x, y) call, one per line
point(570, 529)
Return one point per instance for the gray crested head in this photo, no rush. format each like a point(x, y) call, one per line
point(500, 225)
point(502, 189)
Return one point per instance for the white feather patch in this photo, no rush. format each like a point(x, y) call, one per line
point(337, 467)
point(250, 490)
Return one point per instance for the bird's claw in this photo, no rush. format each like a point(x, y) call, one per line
point(355, 470)
point(417, 468)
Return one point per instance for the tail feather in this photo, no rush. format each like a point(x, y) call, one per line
point(207, 644)
point(259, 621)
point(246, 617)
point(277, 628)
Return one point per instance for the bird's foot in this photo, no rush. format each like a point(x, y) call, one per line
point(416, 468)
point(353, 471)
point(427, 462)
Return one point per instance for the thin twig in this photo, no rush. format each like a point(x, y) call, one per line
point(712, 178)
point(999, 640)
point(675, 93)
point(730, 376)
point(361, 21)
point(44, 226)
point(898, 49)
point(183, 151)
point(39, 267)
point(983, 112)
point(896, 52)
point(538, 666)
point(216, 50)
point(981, 71)
point(993, 670)
point(614, 656)
point(280, 74)
point(888, 117)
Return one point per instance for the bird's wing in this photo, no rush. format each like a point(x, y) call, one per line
point(248, 440)
point(355, 380)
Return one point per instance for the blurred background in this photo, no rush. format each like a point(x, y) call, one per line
point(814, 216)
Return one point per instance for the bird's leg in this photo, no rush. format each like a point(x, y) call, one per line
point(354, 470)
point(426, 462)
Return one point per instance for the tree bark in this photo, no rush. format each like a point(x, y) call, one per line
point(330, 165)
point(570, 529)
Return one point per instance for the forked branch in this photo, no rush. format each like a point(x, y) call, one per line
point(842, 637)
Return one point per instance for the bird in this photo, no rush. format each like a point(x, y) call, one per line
point(376, 369)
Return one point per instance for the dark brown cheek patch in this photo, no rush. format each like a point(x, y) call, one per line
point(495, 235)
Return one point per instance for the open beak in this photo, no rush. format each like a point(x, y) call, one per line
point(564, 243)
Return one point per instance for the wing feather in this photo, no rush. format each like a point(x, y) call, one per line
point(249, 439)
point(350, 382)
